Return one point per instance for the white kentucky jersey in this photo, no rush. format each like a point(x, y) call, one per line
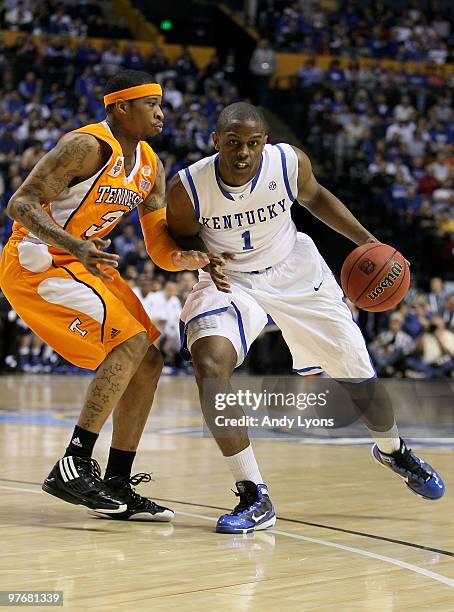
point(252, 221)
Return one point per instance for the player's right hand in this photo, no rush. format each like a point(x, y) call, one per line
point(91, 254)
point(215, 270)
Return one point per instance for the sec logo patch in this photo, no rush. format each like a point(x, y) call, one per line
point(146, 170)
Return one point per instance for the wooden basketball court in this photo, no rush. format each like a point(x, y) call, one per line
point(349, 536)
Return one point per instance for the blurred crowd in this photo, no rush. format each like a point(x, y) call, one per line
point(386, 138)
point(398, 29)
point(76, 18)
point(416, 339)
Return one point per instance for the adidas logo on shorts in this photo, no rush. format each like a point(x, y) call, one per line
point(114, 332)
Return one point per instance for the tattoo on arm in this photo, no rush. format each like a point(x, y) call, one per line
point(156, 199)
point(74, 157)
point(35, 219)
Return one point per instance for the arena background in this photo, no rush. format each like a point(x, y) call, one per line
point(366, 89)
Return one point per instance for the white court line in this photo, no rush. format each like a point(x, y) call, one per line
point(358, 551)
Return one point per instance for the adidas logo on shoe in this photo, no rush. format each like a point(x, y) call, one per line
point(76, 442)
point(114, 332)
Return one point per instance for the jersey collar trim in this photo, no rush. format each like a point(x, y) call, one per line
point(133, 172)
point(225, 193)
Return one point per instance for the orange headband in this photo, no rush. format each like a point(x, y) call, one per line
point(131, 93)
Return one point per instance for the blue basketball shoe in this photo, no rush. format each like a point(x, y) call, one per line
point(254, 512)
point(419, 476)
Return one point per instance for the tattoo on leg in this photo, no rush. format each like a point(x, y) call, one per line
point(96, 391)
point(114, 387)
point(103, 394)
point(92, 412)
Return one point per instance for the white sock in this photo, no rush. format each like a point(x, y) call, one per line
point(387, 441)
point(244, 466)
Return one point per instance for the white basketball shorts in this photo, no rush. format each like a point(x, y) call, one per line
point(304, 300)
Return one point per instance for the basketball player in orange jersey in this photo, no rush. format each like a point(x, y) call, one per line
point(59, 280)
point(238, 201)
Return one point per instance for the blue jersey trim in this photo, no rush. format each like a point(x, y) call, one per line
point(256, 177)
point(225, 193)
point(285, 174)
point(207, 314)
point(184, 331)
point(194, 193)
point(240, 328)
point(308, 369)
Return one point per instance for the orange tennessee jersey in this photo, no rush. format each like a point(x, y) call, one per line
point(94, 206)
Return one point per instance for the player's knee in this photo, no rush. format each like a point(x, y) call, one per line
point(152, 363)
point(209, 365)
point(137, 346)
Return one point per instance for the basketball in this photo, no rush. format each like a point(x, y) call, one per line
point(375, 277)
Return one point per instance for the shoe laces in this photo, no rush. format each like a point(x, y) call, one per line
point(406, 460)
point(90, 467)
point(138, 478)
point(247, 499)
point(133, 481)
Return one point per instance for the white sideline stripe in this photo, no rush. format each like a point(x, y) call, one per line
point(358, 551)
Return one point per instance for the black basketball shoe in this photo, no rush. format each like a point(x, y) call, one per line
point(77, 480)
point(139, 508)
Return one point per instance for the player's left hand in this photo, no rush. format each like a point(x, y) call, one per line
point(215, 270)
point(190, 260)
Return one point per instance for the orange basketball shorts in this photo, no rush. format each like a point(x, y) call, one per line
point(82, 317)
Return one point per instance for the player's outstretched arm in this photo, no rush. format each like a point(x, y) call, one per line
point(75, 157)
point(185, 229)
point(163, 250)
point(325, 206)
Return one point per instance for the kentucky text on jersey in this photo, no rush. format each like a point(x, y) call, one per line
point(253, 220)
point(248, 217)
point(119, 195)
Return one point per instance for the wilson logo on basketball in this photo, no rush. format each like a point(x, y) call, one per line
point(367, 266)
point(388, 281)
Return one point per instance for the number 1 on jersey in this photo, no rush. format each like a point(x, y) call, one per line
point(246, 236)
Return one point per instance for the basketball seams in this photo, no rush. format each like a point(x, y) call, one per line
point(376, 275)
point(372, 247)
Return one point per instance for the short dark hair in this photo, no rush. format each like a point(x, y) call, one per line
point(240, 111)
point(124, 79)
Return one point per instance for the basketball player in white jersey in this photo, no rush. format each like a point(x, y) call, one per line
point(237, 202)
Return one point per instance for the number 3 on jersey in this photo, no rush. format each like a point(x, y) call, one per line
point(246, 236)
point(109, 219)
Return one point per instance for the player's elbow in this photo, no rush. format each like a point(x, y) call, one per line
point(312, 198)
point(12, 209)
